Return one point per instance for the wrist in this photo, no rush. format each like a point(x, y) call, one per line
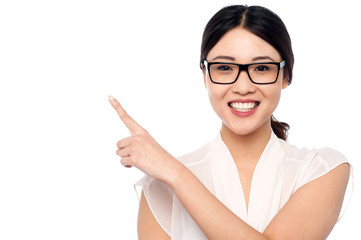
point(179, 171)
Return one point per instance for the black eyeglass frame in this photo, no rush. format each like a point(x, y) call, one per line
point(243, 67)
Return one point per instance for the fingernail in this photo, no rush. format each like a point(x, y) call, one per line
point(111, 98)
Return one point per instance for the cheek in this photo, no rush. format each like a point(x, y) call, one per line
point(216, 94)
point(273, 96)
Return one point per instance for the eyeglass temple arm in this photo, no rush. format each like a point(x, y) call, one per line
point(202, 64)
point(283, 63)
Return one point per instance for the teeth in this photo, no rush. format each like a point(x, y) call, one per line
point(243, 107)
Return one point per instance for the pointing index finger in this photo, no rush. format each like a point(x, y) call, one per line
point(129, 122)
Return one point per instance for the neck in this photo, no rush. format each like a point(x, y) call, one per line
point(246, 148)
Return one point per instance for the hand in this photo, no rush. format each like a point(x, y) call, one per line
point(142, 151)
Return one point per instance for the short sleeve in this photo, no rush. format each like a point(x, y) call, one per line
point(324, 161)
point(160, 200)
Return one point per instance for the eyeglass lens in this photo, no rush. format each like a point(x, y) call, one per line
point(259, 73)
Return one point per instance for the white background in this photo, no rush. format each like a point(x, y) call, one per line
point(59, 60)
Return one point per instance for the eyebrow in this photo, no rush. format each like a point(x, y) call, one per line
point(224, 57)
point(254, 59)
point(263, 58)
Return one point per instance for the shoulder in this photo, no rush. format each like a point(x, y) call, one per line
point(305, 156)
point(309, 164)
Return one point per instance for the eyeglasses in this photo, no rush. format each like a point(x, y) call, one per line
point(258, 73)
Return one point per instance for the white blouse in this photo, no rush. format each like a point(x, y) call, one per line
point(280, 171)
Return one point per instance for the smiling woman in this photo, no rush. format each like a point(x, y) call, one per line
point(248, 182)
point(252, 85)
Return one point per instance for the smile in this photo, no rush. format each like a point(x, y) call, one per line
point(243, 106)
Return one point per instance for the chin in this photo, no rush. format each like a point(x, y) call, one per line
point(241, 129)
point(247, 127)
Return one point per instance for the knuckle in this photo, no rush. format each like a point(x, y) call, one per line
point(138, 138)
point(123, 161)
point(134, 162)
point(126, 159)
point(134, 150)
point(119, 144)
point(119, 153)
point(144, 132)
point(124, 116)
point(131, 152)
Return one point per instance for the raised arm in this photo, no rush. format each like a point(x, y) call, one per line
point(310, 213)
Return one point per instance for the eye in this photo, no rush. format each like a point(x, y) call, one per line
point(261, 68)
point(223, 67)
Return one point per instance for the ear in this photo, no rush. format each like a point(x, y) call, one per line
point(204, 72)
point(285, 82)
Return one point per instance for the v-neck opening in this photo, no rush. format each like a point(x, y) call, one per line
point(244, 207)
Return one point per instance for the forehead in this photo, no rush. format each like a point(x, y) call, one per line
point(243, 46)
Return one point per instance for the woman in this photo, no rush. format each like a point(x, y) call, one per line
point(247, 183)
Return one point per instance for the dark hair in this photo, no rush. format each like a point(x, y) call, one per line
point(262, 22)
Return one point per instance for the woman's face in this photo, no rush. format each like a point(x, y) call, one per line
point(244, 106)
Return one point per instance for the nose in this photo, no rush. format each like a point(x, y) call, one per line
point(243, 85)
